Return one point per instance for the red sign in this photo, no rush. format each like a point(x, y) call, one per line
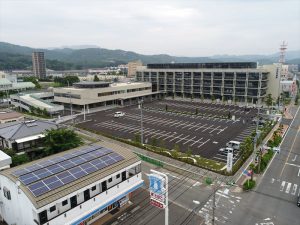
point(160, 198)
point(156, 204)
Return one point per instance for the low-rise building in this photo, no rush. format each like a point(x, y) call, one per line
point(99, 94)
point(10, 116)
point(24, 135)
point(78, 186)
point(41, 100)
point(10, 83)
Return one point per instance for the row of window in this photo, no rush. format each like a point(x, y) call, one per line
point(67, 95)
point(122, 91)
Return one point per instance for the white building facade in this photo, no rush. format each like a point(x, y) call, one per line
point(99, 94)
point(81, 201)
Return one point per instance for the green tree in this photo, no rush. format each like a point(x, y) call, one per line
point(19, 159)
point(58, 140)
point(175, 153)
point(96, 78)
point(154, 142)
point(269, 100)
point(189, 153)
point(33, 80)
point(137, 137)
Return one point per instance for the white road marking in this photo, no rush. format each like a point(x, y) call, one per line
point(282, 185)
point(288, 188)
point(299, 172)
point(196, 202)
point(294, 190)
point(294, 159)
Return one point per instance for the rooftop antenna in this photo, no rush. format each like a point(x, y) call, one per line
point(282, 49)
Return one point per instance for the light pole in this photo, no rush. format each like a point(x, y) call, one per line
point(142, 129)
point(71, 108)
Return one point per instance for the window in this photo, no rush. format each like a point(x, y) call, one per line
point(65, 202)
point(118, 176)
point(53, 208)
point(94, 188)
point(109, 180)
point(6, 193)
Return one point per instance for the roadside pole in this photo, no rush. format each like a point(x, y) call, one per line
point(159, 191)
point(142, 129)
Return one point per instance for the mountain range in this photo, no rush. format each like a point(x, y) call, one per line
point(90, 56)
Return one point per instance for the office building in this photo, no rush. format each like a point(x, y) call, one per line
point(78, 186)
point(39, 65)
point(99, 94)
point(239, 81)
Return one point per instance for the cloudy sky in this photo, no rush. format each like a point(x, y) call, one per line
point(176, 27)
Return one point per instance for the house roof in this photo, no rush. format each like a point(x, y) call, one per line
point(10, 115)
point(22, 129)
point(129, 159)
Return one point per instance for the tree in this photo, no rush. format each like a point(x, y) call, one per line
point(154, 142)
point(189, 153)
point(96, 78)
point(33, 80)
point(175, 153)
point(213, 98)
point(58, 140)
point(269, 100)
point(137, 138)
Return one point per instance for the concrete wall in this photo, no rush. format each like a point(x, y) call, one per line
point(273, 79)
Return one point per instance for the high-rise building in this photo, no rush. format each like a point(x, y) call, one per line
point(132, 67)
point(39, 65)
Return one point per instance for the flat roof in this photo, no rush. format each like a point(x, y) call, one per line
point(39, 201)
point(215, 65)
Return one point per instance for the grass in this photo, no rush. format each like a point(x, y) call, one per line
point(248, 185)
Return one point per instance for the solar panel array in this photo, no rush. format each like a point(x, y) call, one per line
point(53, 173)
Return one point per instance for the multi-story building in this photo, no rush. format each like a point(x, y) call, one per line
point(73, 187)
point(132, 67)
point(99, 94)
point(240, 81)
point(39, 65)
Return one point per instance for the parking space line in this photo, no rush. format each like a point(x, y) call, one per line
point(190, 140)
point(204, 143)
point(207, 128)
point(184, 138)
point(176, 137)
point(201, 127)
point(196, 141)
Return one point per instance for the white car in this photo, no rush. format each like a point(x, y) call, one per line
point(119, 114)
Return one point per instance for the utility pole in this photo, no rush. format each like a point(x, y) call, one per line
point(142, 129)
point(213, 207)
point(71, 108)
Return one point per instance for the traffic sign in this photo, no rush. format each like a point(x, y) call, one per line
point(156, 204)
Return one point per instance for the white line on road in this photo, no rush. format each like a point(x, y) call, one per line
point(288, 188)
point(299, 172)
point(294, 159)
point(294, 190)
point(282, 185)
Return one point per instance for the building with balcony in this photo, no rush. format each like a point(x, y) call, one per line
point(78, 186)
point(240, 81)
point(101, 94)
point(39, 64)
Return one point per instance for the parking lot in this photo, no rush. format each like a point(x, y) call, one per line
point(202, 133)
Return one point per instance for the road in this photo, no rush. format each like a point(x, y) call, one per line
point(186, 197)
point(273, 202)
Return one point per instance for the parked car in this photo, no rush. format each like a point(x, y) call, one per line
point(234, 144)
point(119, 114)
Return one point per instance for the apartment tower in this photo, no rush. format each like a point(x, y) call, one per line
point(39, 65)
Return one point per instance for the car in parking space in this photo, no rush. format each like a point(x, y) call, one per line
point(119, 114)
point(224, 151)
point(298, 201)
point(233, 144)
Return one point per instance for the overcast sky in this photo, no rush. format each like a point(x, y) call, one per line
point(176, 27)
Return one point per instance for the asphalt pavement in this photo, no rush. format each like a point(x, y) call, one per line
point(273, 202)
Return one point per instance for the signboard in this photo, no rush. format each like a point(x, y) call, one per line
point(229, 161)
point(157, 190)
point(156, 204)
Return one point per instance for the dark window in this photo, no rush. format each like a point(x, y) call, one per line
point(109, 180)
point(94, 188)
point(118, 176)
point(53, 208)
point(6, 193)
point(65, 202)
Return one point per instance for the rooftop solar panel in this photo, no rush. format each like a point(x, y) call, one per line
point(54, 173)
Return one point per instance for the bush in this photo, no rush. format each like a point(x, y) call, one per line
point(19, 159)
point(248, 185)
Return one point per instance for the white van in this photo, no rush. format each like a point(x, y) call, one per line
point(234, 144)
point(119, 114)
point(224, 151)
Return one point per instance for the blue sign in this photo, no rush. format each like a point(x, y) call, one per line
point(156, 184)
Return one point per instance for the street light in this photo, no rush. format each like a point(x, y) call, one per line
point(142, 130)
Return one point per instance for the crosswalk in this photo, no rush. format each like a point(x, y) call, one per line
point(290, 188)
point(225, 204)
